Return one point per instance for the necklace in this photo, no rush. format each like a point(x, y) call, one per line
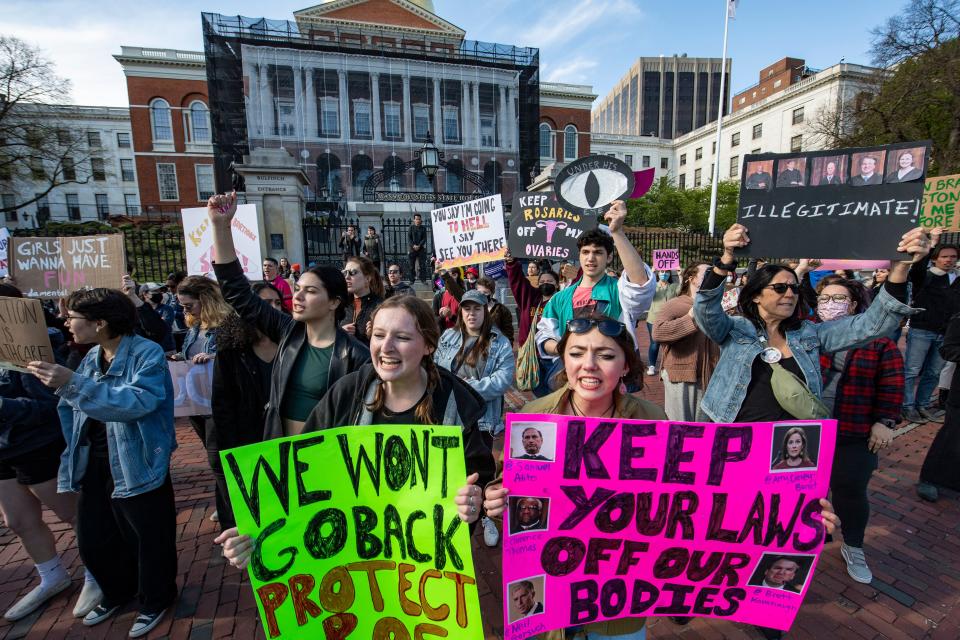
point(576, 411)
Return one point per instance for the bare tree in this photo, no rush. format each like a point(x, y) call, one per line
point(38, 150)
point(923, 27)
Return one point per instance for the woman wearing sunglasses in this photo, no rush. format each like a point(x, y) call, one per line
point(366, 288)
point(863, 388)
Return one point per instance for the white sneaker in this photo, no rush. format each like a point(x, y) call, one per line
point(491, 535)
point(35, 599)
point(90, 597)
point(651, 370)
point(145, 623)
point(215, 517)
point(856, 564)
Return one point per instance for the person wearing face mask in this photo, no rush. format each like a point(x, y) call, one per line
point(498, 313)
point(863, 388)
point(153, 294)
point(530, 303)
point(477, 352)
point(689, 357)
point(666, 289)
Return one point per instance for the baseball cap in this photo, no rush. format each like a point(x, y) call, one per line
point(474, 296)
point(472, 270)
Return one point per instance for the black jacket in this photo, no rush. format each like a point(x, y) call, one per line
point(290, 335)
point(368, 304)
point(417, 235)
point(344, 405)
point(152, 327)
point(939, 299)
point(402, 289)
point(28, 414)
point(239, 397)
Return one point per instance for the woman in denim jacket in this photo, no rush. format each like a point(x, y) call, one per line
point(772, 328)
point(117, 417)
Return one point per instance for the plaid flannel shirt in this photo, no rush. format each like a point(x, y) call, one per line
point(870, 387)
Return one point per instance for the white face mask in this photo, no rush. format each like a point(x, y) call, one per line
point(832, 310)
point(729, 279)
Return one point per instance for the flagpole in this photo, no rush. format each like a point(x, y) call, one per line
point(716, 156)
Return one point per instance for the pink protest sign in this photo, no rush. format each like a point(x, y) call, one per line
point(612, 518)
point(856, 265)
point(666, 259)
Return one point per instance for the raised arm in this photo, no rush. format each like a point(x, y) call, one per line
point(633, 266)
point(707, 306)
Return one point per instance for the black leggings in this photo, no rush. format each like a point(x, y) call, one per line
point(853, 464)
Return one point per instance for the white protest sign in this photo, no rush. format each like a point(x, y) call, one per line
point(4, 241)
point(199, 241)
point(192, 388)
point(469, 233)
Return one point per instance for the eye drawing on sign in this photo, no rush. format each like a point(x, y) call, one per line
point(551, 226)
point(590, 184)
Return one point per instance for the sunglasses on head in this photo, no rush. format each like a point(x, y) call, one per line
point(609, 328)
point(780, 288)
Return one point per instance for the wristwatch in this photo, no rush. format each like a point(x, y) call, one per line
point(888, 423)
point(719, 264)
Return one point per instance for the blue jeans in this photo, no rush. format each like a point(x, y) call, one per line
point(653, 351)
point(922, 362)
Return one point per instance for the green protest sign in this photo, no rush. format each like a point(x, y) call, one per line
point(356, 533)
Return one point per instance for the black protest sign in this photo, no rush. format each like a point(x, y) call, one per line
point(541, 228)
point(590, 184)
point(850, 203)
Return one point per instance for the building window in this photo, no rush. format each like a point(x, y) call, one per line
point(697, 178)
point(329, 116)
point(160, 121)
point(734, 166)
point(69, 170)
point(421, 121)
point(743, 99)
point(488, 131)
point(199, 123)
point(777, 83)
point(546, 141)
point(798, 115)
point(570, 150)
point(698, 153)
point(451, 125)
point(755, 151)
point(63, 137)
point(735, 139)
point(43, 208)
point(126, 170)
point(204, 173)
point(757, 131)
point(682, 183)
point(131, 204)
point(391, 120)
point(167, 181)
point(103, 206)
point(664, 163)
point(36, 168)
point(713, 148)
point(683, 159)
point(8, 203)
point(646, 162)
point(796, 144)
point(361, 118)
point(97, 170)
point(628, 159)
point(93, 139)
point(73, 206)
point(123, 140)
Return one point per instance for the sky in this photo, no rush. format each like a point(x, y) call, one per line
point(581, 41)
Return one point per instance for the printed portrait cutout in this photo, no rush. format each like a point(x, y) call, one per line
point(528, 513)
point(795, 447)
point(866, 168)
point(526, 598)
point(905, 165)
point(533, 441)
point(759, 175)
point(828, 171)
point(784, 572)
point(791, 172)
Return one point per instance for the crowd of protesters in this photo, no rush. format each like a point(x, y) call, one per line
point(91, 436)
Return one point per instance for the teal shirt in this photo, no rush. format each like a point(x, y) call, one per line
point(309, 380)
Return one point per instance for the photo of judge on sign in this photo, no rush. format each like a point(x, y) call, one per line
point(526, 598)
point(759, 175)
point(865, 168)
point(533, 441)
point(795, 447)
point(782, 572)
point(528, 513)
point(792, 172)
point(905, 165)
point(828, 171)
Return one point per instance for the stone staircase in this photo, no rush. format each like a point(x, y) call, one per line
point(425, 292)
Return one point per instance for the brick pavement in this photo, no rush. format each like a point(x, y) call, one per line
point(911, 546)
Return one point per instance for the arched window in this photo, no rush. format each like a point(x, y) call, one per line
point(361, 166)
point(570, 142)
point(546, 141)
point(160, 120)
point(328, 174)
point(454, 176)
point(199, 123)
point(394, 173)
point(491, 176)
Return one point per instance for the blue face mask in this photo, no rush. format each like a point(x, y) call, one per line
point(664, 277)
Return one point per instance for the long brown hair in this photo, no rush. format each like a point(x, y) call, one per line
point(427, 327)
point(213, 308)
point(687, 276)
point(370, 270)
point(624, 341)
point(786, 438)
point(481, 348)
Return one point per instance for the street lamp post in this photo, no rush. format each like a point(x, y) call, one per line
point(430, 158)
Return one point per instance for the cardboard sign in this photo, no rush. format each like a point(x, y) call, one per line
point(469, 233)
point(4, 242)
point(357, 533)
point(541, 228)
point(199, 241)
point(854, 203)
point(941, 203)
point(612, 518)
point(23, 333)
point(588, 185)
point(666, 259)
point(56, 267)
point(192, 388)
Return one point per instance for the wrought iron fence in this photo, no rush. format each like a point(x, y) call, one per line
point(694, 247)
